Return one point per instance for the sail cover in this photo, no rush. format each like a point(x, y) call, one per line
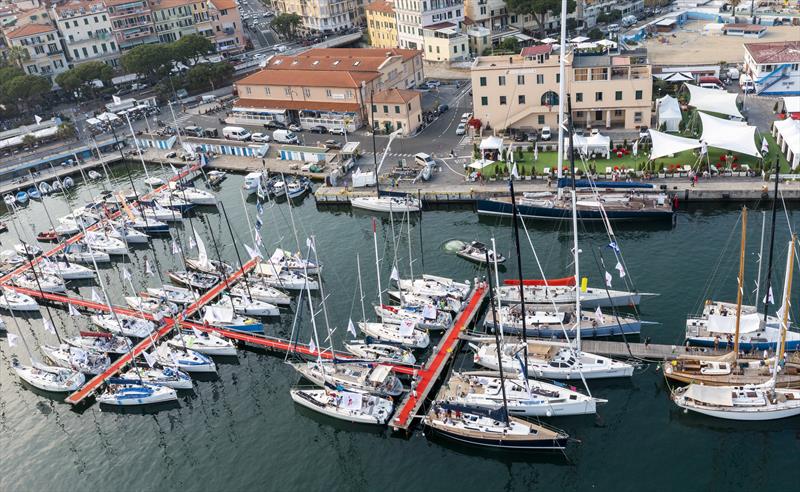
point(202, 256)
point(727, 324)
point(735, 136)
point(713, 395)
point(713, 100)
point(665, 144)
point(215, 314)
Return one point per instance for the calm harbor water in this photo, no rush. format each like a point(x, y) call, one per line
point(239, 430)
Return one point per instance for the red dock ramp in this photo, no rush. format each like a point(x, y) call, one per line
point(429, 374)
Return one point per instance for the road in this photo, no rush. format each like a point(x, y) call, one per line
point(257, 25)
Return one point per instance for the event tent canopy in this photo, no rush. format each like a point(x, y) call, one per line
point(480, 164)
point(579, 39)
point(669, 113)
point(666, 144)
point(608, 43)
point(713, 100)
point(591, 144)
point(736, 136)
point(792, 104)
point(789, 135)
point(675, 76)
point(492, 143)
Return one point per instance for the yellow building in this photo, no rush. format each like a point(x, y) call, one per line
point(397, 109)
point(382, 24)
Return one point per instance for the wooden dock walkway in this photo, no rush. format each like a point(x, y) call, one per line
point(652, 351)
point(407, 410)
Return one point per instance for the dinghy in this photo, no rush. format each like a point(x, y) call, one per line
point(127, 326)
point(154, 182)
point(94, 174)
point(45, 188)
point(162, 376)
point(33, 194)
point(476, 252)
point(86, 361)
point(50, 236)
point(100, 342)
point(22, 197)
point(9, 199)
point(56, 186)
point(215, 177)
point(68, 182)
point(49, 378)
point(344, 405)
point(133, 392)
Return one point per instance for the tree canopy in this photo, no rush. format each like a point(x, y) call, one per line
point(81, 78)
point(148, 60)
point(191, 48)
point(538, 9)
point(286, 24)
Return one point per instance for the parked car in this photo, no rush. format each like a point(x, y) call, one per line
point(595, 131)
point(235, 133)
point(276, 125)
point(260, 137)
point(546, 133)
point(171, 155)
point(285, 136)
point(211, 133)
point(533, 136)
point(433, 83)
point(613, 28)
point(295, 127)
point(193, 131)
point(337, 130)
point(466, 117)
point(332, 144)
point(462, 129)
point(443, 108)
point(318, 129)
point(519, 137)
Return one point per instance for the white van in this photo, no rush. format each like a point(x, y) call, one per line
point(285, 136)
point(628, 20)
point(235, 133)
point(209, 98)
point(423, 159)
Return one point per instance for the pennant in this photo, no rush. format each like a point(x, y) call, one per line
point(257, 237)
point(259, 208)
point(429, 312)
point(176, 250)
point(768, 299)
point(147, 268)
point(49, 327)
point(38, 119)
point(149, 358)
point(310, 244)
point(521, 374)
point(12, 340)
point(72, 310)
point(351, 328)
point(126, 274)
point(395, 274)
point(96, 297)
point(599, 316)
point(764, 146)
point(514, 171)
point(608, 280)
point(620, 269)
point(613, 245)
point(312, 346)
point(259, 223)
point(253, 252)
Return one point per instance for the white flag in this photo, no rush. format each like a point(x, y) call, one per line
point(768, 299)
point(149, 358)
point(635, 148)
point(351, 327)
point(257, 237)
point(620, 269)
point(73, 311)
point(253, 252)
point(174, 171)
point(12, 340)
point(49, 327)
point(310, 244)
point(608, 280)
point(535, 152)
point(599, 316)
point(96, 297)
point(116, 99)
point(175, 248)
point(514, 171)
point(395, 274)
point(38, 119)
point(192, 243)
point(312, 346)
point(429, 312)
point(147, 268)
point(126, 274)
point(197, 333)
point(764, 146)
point(703, 148)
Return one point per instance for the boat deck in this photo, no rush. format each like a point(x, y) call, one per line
point(429, 374)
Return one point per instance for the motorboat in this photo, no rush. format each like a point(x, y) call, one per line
point(215, 177)
point(184, 359)
point(550, 360)
point(49, 378)
point(491, 428)
point(94, 175)
point(56, 186)
point(49, 236)
point(256, 289)
point(9, 200)
point(750, 402)
point(80, 253)
point(201, 281)
point(277, 188)
point(85, 361)
point(283, 259)
point(22, 197)
point(249, 306)
point(352, 376)
point(15, 301)
point(477, 252)
point(152, 305)
point(542, 321)
point(389, 204)
point(205, 343)
point(297, 188)
point(404, 333)
point(106, 244)
point(374, 351)
point(124, 325)
point(251, 182)
point(40, 282)
point(133, 392)
point(154, 181)
point(524, 397)
point(427, 317)
point(353, 407)
point(65, 270)
point(167, 376)
point(171, 293)
point(101, 342)
point(287, 280)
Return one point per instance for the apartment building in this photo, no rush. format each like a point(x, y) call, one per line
point(445, 42)
point(774, 68)
point(226, 24)
point(85, 29)
point(396, 109)
point(522, 91)
point(328, 87)
point(322, 16)
point(491, 14)
point(46, 56)
point(414, 15)
point(173, 19)
point(131, 22)
point(381, 24)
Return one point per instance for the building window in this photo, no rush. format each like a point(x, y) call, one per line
point(558, 78)
point(618, 96)
point(385, 108)
point(520, 80)
point(637, 117)
point(579, 97)
point(501, 80)
point(549, 98)
point(287, 91)
point(248, 91)
point(484, 101)
point(397, 109)
point(521, 99)
point(541, 119)
point(502, 100)
point(598, 96)
point(374, 108)
point(638, 95)
point(618, 112)
point(266, 91)
point(483, 81)
point(539, 78)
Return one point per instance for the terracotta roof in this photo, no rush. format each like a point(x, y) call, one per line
point(395, 96)
point(309, 78)
point(743, 27)
point(76, 5)
point(439, 25)
point(224, 4)
point(297, 105)
point(467, 21)
point(778, 52)
point(362, 52)
point(541, 49)
point(381, 6)
point(30, 30)
point(168, 4)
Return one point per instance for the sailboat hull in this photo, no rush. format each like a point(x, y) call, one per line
point(496, 442)
point(502, 208)
point(791, 345)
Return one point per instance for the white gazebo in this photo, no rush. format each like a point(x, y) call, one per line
point(665, 144)
point(736, 136)
point(492, 145)
point(713, 100)
point(787, 134)
point(594, 144)
point(669, 113)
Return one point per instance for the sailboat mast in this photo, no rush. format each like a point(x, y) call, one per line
point(760, 257)
point(361, 289)
point(236, 249)
point(787, 294)
point(410, 259)
point(768, 285)
point(377, 261)
point(496, 281)
point(741, 283)
point(519, 276)
point(575, 251)
point(561, 93)
point(495, 320)
point(374, 149)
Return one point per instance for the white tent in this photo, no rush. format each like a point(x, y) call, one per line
point(792, 104)
point(492, 143)
point(586, 46)
point(579, 39)
point(480, 164)
point(669, 113)
point(713, 28)
point(713, 100)
point(666, 144)
point(607, 43)
point(736, 136)
point(787, 134)
point(549, 41)
point(675, 76)
point(599, 144)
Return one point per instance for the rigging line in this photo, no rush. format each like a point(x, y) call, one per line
point(712, 278)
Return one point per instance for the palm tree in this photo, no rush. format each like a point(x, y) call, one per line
point(734, 4)
point(18, 55)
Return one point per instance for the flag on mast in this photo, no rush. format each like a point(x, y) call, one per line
point(12, 339)
point(149, 358)
point(96, 297)
point(311, 345)
point(310, 244)
point(126, 274)
point(768, 299)
point(73, 311)
point(49, 327)
point(351, 328)
point(598, 314)
point(608, 280)
point(395, 274)
point(147, 268)
point(620, 269)
point(253, 252)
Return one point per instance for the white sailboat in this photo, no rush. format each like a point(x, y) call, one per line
point(80, 253)
point(387, 204)
point(352, 376)
point(64, 270)
point(167, 376)
point(261, 291)
point(184, 359)
point(134, 392)
point(14, 301)
point(106, 244)
point(152, 305)
point(372, 350)
point(345, 405)
point(49, 378)
point(85, 361)
point(39, 281)
point(127, 326)
point(100, 342)
point(204, 343)
point(405, 333)
point(171, 293)
point(283, 259)
point(249, 306)
point(195, 196)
